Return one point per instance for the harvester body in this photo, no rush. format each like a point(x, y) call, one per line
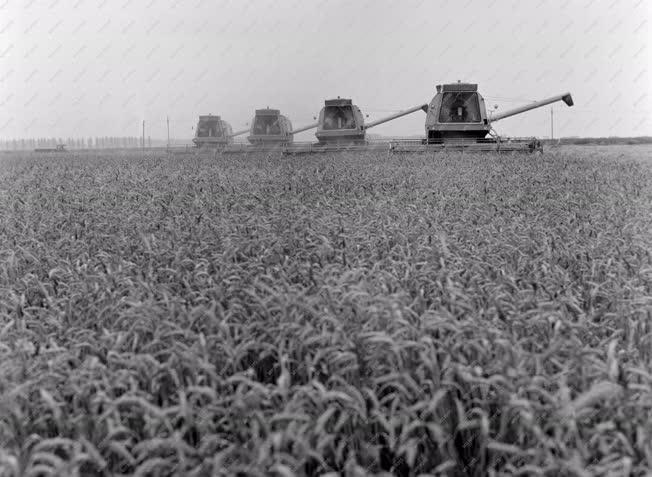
point(269, 126)
point(457, 119)
point(341, 127)
point(212, 131)
point(269, 131)
point(340, 122)
point(456, 111)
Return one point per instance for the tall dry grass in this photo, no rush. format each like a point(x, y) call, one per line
point(339, 315)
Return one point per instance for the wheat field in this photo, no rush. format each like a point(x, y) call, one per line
point(347, 314)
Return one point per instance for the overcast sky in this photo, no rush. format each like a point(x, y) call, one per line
point(99, 67)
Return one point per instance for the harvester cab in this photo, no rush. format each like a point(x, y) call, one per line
point(340, 121)
point(212, 131)
point(269, 126)
point(457, 111)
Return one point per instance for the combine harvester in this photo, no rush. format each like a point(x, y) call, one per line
point(457, 120)
point(57, 148)
point(341, 127)
point(270, 131)
point(214, 133)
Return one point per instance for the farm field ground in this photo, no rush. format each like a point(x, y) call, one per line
point(337, 314)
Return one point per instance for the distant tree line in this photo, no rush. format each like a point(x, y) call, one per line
point(72, 143)
point(106, 142)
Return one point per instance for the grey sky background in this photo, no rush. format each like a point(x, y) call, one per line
point(98, 68)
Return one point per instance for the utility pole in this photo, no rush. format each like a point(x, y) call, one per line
point(143, 136)
point(168, 121)
point(551, 128)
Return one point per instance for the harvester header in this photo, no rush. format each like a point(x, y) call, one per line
point(212, 131)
